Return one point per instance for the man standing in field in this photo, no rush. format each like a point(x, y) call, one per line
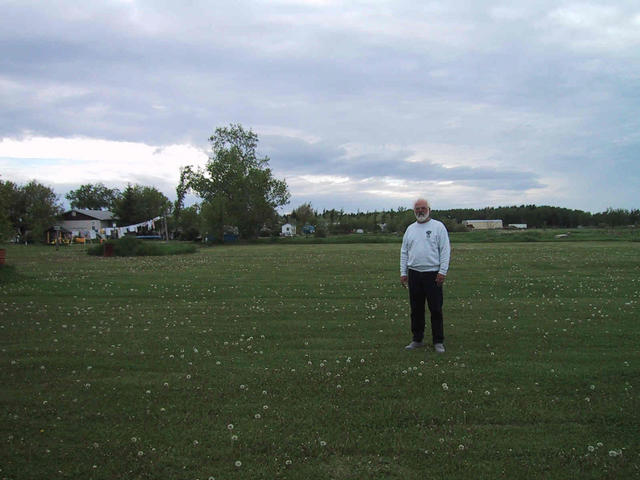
point(424, 262)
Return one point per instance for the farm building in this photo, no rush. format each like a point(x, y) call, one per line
point(482, 224)
point(86, 221)
point(520, 226)
point(288, 230)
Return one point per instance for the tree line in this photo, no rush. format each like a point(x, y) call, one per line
point(28, 211)
point(337, 221)
point(238, 194)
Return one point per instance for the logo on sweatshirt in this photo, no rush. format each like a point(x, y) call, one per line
point(428, 233)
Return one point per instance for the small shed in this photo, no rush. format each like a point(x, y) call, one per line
point(288, 230)
point(483, 224)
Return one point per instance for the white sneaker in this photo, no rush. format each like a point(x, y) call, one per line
point(414, 345)
point(439, 347)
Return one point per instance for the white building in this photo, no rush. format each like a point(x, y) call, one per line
point(483, 224)
point(521, 226)
point(288, 230)
point(84, 222)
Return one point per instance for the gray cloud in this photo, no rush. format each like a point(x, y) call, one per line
point(536, 94)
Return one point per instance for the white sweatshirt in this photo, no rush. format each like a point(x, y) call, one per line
point(425, 248)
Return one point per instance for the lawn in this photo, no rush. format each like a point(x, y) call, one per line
point(287, 361)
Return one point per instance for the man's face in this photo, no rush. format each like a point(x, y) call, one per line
point(421, 211)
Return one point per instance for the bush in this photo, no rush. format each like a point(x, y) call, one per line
point(134, 247)
point(321, 231)
point(8, 274)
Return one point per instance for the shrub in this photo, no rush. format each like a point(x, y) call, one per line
point(134, 247)
point(321, 231)
point(8, 274)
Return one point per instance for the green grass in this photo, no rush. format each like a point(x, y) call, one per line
point(126, 368)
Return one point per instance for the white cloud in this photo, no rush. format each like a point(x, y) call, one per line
point(63, 161)
point(595, 27)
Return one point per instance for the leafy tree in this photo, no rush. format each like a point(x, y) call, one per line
point(188, 223)
point(28, 210)
point(237, 187)
point(138, 203)
point(9, 193)
point(303, 214)
point(93, 197)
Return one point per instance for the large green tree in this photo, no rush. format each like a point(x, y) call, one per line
point(187, 224)
point(138, 203)
point(303, 214)
point(93, 197)
point(237, 187)
point(9, 202)
point(28, 210)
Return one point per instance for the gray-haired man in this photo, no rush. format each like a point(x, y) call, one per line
point(424, 262)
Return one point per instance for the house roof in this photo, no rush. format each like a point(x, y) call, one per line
point(97, 214)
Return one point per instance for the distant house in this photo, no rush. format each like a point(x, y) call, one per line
point(288, 230)
point(520, 226)
point(482, 224)
point(87, 222)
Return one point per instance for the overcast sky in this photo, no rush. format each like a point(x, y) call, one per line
point(358, 105)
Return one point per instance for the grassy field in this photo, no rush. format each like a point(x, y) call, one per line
point(287, 361)
point(556, 235)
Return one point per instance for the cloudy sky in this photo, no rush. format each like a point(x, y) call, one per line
point(358, 104)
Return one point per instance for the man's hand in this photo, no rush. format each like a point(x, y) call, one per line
point(440, 279)
point(404, 280)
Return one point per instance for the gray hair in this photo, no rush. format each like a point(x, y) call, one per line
point(423, 200)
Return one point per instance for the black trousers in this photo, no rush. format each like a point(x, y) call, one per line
point(423, 286)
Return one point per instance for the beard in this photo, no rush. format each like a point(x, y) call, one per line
point(422, 217)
